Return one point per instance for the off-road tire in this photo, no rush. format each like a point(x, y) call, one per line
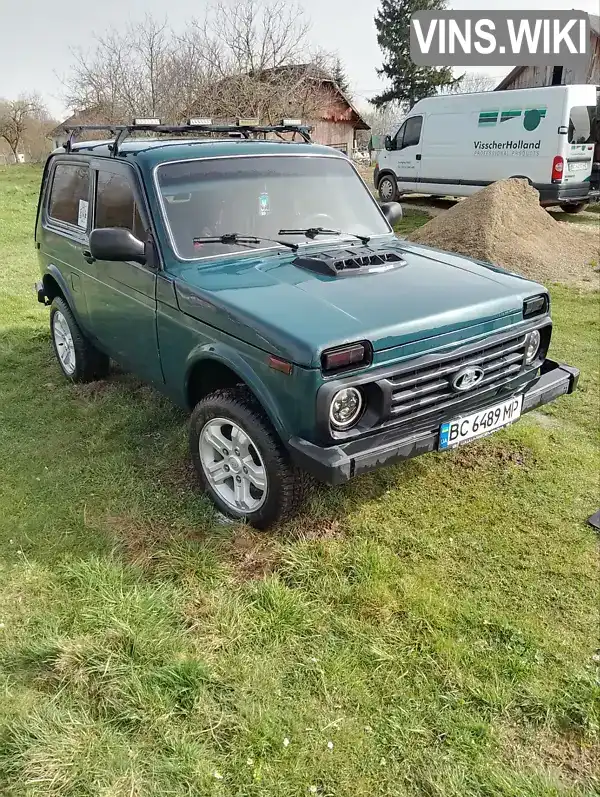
point(285, 483)
point(90, 364)
point(394, 184)
point(576, 207)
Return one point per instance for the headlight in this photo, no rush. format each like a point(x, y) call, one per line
point(346, 408)
point(532, 346)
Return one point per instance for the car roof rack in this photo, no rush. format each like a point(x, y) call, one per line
point(121, 132)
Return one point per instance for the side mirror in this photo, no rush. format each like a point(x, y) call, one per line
point(115, 243)
point(392, 211)
point(388, 143)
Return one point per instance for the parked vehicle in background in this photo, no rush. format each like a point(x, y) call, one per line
point(456, 144)
point(260, 285)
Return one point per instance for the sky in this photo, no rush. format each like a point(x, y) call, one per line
point(37, 37)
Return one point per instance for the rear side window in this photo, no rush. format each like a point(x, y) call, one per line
point(116, 205)
point(69, 194)
point(581, 124)
point(412, 132)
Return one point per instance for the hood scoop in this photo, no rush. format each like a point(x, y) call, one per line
point(349, 262)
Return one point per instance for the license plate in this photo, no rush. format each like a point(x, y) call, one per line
point(480, 423)
point(579, 166)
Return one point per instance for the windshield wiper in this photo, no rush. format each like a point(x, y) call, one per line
point(239, 238)
point(312, 232)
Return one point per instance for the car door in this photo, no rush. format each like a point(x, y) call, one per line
point(407, 161)
point(122, 295)
point(64, 230)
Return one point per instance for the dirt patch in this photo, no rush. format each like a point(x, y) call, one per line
point(505, 225)
point(488, 454)
point(115, 382)
point(142, 541)
point(307, 528)
point(181, 477)
point(253, 554)
point(568, 760)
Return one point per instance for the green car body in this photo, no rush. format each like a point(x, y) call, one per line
point(265, 316)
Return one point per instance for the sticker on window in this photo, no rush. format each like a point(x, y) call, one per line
point(82, 215)
point(264, 206)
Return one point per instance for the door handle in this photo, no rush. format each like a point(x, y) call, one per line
point(87, 256)
point(418, 157)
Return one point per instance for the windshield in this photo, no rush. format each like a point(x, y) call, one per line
point(259, 196)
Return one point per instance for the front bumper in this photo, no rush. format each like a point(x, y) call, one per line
point(338, 464)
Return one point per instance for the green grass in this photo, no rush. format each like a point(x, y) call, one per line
point(576, 218)
point(412, 218)
point(436, 622)
point(595, 208)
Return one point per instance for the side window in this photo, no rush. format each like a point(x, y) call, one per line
point(412, 133)
point(115, 204)
point(399, 136)
point(69, 194)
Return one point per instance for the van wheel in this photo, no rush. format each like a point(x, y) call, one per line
point(388, 188)
point(575, 207)
point(79, 359)
point(240, 460)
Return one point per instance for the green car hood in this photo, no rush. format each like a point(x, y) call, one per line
point(295, 313)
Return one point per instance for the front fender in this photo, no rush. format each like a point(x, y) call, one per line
point(53, 271)
point(255, 373)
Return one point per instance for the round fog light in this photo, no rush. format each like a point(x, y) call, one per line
point(346, 407)
point(532, 346)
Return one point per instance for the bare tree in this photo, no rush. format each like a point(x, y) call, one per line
point(128, 72)
point(249, 58)
point(384, 121)
point(471, 82)
point(255, 36)
point(16, 117)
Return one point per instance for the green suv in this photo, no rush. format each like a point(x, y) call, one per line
point(257, 283)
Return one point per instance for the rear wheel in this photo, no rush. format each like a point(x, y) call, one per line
point(240, 460)
point(388, 188)
point(575, 207)
point(78, 358)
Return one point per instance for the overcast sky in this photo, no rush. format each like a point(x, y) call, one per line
point(36, 36)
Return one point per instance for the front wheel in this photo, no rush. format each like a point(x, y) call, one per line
point(240, 460)
point(388, 188)
point(575, 207)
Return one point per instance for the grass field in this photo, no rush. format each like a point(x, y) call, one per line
point(426, 630)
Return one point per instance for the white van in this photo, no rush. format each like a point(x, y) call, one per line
point(453, 145)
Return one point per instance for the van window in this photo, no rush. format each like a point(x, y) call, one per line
point(399, 136)
point(412, 131)
point(581, 124)
point(69, 194)
point(115, 204)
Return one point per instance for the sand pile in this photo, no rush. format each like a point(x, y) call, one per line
point(504, 224)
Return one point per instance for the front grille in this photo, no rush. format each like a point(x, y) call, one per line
point(426, 393)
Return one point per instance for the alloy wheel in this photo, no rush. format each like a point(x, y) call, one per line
point(63, 340)
point(233, 465)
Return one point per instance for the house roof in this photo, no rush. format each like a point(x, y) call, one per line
point(87, 116)
point(320, 74)
point(516, 71)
